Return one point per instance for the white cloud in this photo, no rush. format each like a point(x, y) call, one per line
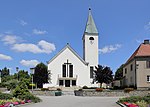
point(23, 23)
point(10, 39)
point(29, 63)
point(39, 32)
point(147, 27)
point(5, 57)
point(41, 47)
point(46, 46)
point(109, 49)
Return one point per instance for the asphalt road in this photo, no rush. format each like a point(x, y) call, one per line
point(76, 101)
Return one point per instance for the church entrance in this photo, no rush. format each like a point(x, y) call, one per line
point(67, 83)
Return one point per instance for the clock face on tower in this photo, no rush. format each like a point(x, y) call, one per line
point(91, 40)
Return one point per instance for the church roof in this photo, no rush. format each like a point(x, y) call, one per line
point(90, 25)
point(142, 50)
point(72, 50)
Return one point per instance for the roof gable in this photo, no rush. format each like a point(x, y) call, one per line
point(71, 49)
point(142, 50)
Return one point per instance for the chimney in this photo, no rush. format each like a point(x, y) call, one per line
point(146, 41)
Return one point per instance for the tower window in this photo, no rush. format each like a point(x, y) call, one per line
point(91, 38)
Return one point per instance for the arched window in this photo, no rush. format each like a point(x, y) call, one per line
point(91, 38)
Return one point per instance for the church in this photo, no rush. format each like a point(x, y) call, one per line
point(68, 69)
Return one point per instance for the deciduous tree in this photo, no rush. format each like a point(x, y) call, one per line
point(103, 75)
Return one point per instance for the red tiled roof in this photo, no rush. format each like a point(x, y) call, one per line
point(142, 50)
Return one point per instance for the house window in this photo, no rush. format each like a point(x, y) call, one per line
point(148, 78)
point(61, 82)
point(73, 82)
point(64, 70)
point(70, 70)
point(131, 67)
point(91, 72)
point(125, 70)
point(147, 64)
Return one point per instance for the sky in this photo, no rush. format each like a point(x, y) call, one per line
point(33, 31)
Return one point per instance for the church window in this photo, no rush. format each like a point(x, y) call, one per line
point(73, 82)
point(64, 70)
point(61, 82)
point(91, 72)
point(91, 38)
point(70, 70)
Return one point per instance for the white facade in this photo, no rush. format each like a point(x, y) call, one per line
point(68, 69)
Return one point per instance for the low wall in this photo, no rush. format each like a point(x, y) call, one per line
point(44, 93)
point(116, 93)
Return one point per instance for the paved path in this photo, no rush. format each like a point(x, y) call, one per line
point(75, 101)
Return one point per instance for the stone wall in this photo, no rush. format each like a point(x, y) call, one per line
point(44, 93)
point(116, 93)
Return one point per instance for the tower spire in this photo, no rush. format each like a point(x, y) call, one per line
point(90, 25)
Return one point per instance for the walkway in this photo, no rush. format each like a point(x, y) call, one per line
point(75, 101)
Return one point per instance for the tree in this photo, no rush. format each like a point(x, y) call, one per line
point(22, 75)
point(119, 73)
point(4, 72)
point(103, 75)
point(40, 75)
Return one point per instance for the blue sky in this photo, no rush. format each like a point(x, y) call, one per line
point(33, 31)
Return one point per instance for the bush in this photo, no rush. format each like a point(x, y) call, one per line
point(147, 99)
point(127, 90)
point(4, 96)
point(29, 96)
point(80, 90)
point(99, 89)
point(132, 99)
point(58, 89)
point(44, 89)
point(85, 87)
point(142, 103)
point(21, 89)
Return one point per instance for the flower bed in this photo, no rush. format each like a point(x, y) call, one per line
point(136, 101)
point(13, 102)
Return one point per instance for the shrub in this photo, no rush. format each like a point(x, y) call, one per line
point(99, 89)
point(132, 99)
point(21, 89)
point(85, 87)
point(147, 99)
point(127, 90)
point(80, 90)
point(141, 103)
point(29, 96)
point(44, 89)
point(58, 89)
point(5, 96)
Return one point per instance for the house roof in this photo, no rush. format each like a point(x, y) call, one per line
point(72, 50)
point(90, 25)
point(142, 50)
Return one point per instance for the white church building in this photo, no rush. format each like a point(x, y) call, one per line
point(68, 69)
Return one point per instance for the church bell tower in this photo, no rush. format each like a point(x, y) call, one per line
point(90, 42)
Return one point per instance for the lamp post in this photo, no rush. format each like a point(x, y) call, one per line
point(17, 69)
point(32, 72)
